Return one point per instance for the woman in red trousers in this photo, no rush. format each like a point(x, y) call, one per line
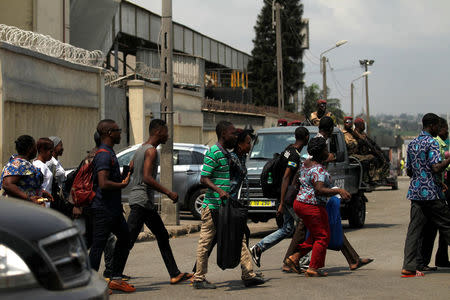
point(314, 189)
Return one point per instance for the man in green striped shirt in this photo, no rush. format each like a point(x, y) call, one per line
point(216, 176)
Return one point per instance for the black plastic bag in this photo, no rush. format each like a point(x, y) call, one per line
point(231, 228)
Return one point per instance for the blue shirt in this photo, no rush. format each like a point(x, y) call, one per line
point(109, 200)
point(308, 177)
point(423, 152)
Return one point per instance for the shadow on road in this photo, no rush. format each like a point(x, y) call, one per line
point(238, 285)
point(367, 226)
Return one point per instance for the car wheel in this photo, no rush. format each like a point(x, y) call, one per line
point(196, 202)
point(357, 211)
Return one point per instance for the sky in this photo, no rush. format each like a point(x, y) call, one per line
point(408, 39)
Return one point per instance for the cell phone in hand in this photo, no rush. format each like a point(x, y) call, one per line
point(125, 171)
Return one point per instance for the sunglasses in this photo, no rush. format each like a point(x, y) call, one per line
point(348, 122)
point(116, 130)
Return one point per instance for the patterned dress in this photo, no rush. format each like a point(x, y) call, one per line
point(308, 177)
point(31, 177)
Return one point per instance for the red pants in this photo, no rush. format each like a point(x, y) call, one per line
point(315, 219)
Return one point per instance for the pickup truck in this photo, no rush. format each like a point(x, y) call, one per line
point(345, 171)
point(43, 256)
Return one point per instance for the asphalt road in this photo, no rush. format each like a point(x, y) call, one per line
point(382, 238)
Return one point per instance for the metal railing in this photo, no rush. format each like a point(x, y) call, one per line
point(226, 106)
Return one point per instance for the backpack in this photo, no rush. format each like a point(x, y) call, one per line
point(272, 175)
point(82, 190)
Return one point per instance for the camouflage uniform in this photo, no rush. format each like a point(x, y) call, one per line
point(366, 159)
point(369, 150)
point(315, 120)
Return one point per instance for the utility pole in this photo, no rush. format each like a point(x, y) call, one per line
point(324, 77)
point(366, 63)
point(169, 210)
point(351, 97)
point(279, 58)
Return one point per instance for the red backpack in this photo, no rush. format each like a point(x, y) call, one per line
point(82, 190)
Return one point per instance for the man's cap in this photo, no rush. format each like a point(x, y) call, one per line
point(348, 118)
point(56, 140)
point(321, 101)
point(359, 120)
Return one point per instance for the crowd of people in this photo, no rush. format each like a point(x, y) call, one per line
point(34, 174)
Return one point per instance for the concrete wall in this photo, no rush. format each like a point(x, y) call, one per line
point(144, 104)
point(49, 17)
point(43, 96)
point(18, 13)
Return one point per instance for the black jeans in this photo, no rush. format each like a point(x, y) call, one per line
point(140, 215)
point(103, 225)
point(88, 237)
point(422, 212)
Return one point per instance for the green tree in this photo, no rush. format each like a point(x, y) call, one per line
point(262, 67)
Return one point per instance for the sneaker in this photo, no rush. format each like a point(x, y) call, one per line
point(203, 285)
point(254, 281)
point(256, 255)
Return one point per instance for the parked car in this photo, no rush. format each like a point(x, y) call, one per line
point(187, 165)
point(42, 255)
point(345, 173)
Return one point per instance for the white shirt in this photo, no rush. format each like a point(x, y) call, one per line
point(60, 173)
point(48, 176)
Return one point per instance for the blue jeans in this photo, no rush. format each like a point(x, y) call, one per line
point(277, 236)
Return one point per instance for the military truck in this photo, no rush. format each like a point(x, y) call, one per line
point(345, 171)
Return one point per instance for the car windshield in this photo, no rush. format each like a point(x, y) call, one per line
point(266, 145)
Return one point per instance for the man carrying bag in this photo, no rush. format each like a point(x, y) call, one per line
point(216, 176)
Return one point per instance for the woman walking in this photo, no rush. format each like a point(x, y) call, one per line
point(315, 188)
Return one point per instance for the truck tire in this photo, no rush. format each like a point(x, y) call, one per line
point(195, 203)
point(357, 211)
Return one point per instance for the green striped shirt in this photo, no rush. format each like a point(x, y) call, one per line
point(216, 168)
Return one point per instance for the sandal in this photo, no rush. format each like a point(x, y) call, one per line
point(318, 273)
point(362, 262)
point(292, 265)
point(181, 277)
point(408, 274)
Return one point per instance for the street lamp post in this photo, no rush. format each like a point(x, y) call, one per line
point(352, 86)
point(366, 63)
point(323, 66)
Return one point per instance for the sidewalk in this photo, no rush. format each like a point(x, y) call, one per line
point(188, 225)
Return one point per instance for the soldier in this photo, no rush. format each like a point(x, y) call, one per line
point(321, 112)
point(350, 140)
point(368, 150)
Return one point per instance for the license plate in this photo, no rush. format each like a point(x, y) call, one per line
point(262, 203)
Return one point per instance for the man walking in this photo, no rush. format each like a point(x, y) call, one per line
point(426, 246)
point(107, 206)
point(424, 165)
point(143, 186)
point(292, 153)
point(216, 176)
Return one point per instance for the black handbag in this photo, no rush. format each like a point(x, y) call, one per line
point(231, 228)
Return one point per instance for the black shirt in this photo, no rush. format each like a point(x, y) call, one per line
point(109, 200)
point(292, 155)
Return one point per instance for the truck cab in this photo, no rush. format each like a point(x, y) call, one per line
point(345, 173)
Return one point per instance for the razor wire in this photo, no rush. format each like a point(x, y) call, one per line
point(47, 45)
